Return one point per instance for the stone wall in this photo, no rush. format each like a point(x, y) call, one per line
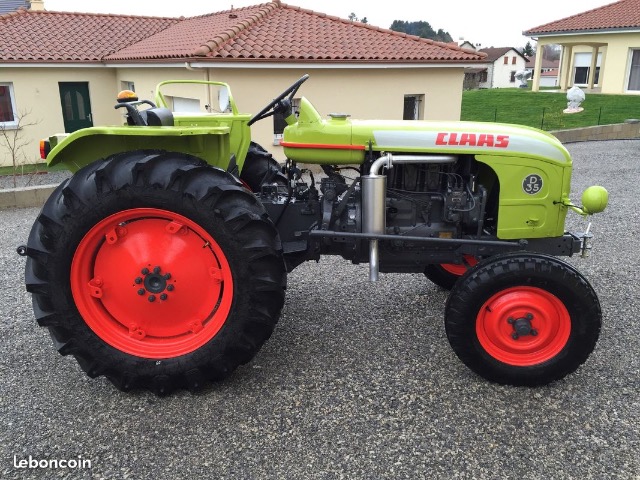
point(619, 131)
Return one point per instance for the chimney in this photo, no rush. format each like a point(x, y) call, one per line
point(36, 5)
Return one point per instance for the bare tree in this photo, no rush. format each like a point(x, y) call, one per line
point(13, 142)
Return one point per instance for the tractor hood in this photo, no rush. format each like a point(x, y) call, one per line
point(340, 140)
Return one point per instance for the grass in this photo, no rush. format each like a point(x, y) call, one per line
point(544, 109)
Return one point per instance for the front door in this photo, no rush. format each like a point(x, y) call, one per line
point(76, 106)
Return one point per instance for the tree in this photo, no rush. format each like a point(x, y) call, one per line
point(12, 140)
point(528, 50)
point(353, 17)
point(551, 52)
point(420, 29)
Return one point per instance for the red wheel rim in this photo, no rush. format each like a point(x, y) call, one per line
point(546, 315)
point(460, 269)
point(151, 283)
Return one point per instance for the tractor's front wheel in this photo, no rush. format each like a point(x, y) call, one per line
point(155, 270)
point(523, 319)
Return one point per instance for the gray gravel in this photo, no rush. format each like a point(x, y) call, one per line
point(357, 382)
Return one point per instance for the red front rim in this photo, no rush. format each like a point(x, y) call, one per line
point(151, 283)
point(460, 269)
point(532, 308)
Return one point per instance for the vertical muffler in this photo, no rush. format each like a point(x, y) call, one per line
point(374, 200)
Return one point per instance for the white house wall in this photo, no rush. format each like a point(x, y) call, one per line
point(502, 72)
point(37, 95)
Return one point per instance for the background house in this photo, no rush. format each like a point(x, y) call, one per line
point(66, 73)
point(546, 65)
point(502, 65)
point(600, 48)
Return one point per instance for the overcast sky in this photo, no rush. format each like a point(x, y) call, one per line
point(492, 23)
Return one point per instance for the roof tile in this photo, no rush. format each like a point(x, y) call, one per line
point(269, 31)
point(72, 37)
point(623, 14)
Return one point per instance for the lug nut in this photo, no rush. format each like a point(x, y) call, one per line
point(164, 296)
point(145, 271)
point(138, 280)
point(152, 298)
point(167, 276)
point(170, 288)
point(156, 270)
point(141, 291)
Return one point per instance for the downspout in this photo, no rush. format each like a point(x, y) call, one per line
point(189, 67)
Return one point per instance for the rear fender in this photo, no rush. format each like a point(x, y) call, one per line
point(80, 148)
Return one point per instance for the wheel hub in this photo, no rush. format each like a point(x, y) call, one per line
point(522, 326)
point(154, 282)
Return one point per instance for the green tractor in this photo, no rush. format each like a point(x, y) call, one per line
point(162, 262)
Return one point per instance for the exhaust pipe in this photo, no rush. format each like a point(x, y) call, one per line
point(374, 198)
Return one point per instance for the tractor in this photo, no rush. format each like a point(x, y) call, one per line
point(162, 262)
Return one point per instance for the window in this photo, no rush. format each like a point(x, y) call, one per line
point(634, 71)
point(506, 60)
point(8, 116)
point(513, 61)
point(279, 123)
point(483, 76)
point(125, 85)
point(512, 78)
point(413, 107)
point(581, 75)
point(582, 67)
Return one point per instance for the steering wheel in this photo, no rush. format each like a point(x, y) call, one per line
point(279, 101)
point(133, 112)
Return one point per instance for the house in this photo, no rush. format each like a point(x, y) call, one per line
point(502, 64)
point(600, 48)
point(546, 65)
point(66, 73)
point(549, 78)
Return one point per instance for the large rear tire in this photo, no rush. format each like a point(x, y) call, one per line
point(156, 270)
point(523, 319)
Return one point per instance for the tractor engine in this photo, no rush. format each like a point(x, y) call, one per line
point(434, 200)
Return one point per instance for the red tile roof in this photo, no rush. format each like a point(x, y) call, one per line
point(28, 36)
point(494, 53)
point(621, 15)
point(266, 32)
point(546, 63)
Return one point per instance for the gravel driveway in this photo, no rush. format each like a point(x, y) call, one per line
point(357, 382)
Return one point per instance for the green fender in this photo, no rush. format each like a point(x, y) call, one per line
point(83, 147)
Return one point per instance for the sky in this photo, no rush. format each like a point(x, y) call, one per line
point(490, 23)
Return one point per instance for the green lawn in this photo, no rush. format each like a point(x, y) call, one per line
point(544, 109)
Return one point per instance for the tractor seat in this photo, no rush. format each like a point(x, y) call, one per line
point(157, 117)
